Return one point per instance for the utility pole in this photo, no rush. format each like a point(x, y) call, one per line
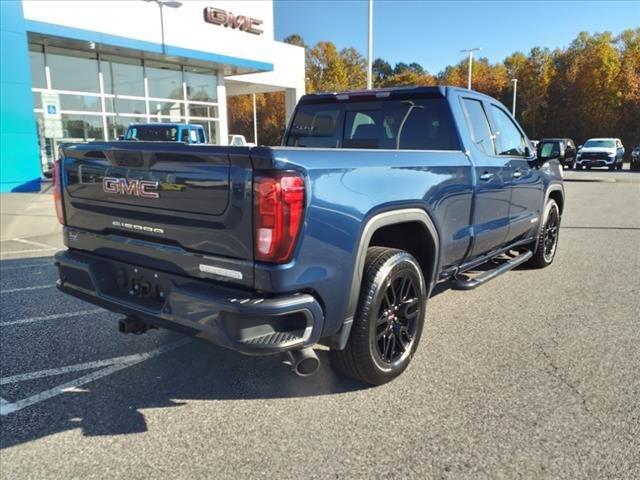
point(515, 89)
point(370, 48)
point(470, 51)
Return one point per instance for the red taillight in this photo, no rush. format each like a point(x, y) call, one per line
point(278, 215)
point(57, 191)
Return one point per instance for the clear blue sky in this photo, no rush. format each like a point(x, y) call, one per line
point(433, 33)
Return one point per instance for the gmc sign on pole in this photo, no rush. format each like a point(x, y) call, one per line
point(218, 16)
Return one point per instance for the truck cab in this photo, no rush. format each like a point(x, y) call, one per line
point(166, 132)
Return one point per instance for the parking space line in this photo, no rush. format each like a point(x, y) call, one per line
point(7, 408)
point(23, 377)
point(52, 317)
point(31, 242)
point(32, 265)
point(24, 289)
point(17, 252)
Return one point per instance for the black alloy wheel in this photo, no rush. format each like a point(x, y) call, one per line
point(389, 318)
point(551, 228)
point(396, 324)
point(548, 236)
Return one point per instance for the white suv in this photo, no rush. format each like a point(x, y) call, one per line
point(600, 152)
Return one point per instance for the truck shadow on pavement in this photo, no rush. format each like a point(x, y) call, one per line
point(197, 376)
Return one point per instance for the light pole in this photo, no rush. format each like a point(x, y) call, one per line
point(470, 51)
point(161, 4)
point(370, 48)
point(255, 120)
point(515, 89)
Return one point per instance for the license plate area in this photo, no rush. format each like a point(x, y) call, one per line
point(142, 286)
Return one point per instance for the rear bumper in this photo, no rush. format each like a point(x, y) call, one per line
point(237, 319)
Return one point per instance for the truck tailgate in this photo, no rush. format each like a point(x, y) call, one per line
point(191, 200)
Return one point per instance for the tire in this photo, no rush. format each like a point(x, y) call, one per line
point(612, 167)
point(550, 230)
point(578, 167)
point(620, 166)
point(389, 318)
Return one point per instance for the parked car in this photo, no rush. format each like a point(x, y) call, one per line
point(600, 152)
point(635, 158)
point(561, 148)
point(239, 141)
point(166, 132)
point(336, 238)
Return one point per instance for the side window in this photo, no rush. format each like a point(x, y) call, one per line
point(509, 140)
point(193, 135)
point(201, 136)
point(423, 125)
point(478, 124)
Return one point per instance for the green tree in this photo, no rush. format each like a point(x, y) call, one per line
point(381, 71)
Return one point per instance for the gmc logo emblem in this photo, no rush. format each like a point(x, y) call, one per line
point(228, 19)
point(135, 188)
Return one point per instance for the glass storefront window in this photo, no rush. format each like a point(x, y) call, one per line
point(124, 105)
point(201, 84)
point(206, 111)
point(122, 76)
point(73, 70)
point(45, 145)
point(36, 58)
point(170, 109)
point(82, 127)
point(77, 71)
point(165, 80)
point(80, 103)
point(118, 125)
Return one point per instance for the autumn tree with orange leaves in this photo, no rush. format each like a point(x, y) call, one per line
point(589, 89)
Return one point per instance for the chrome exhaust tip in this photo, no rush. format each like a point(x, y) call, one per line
point(304, 362)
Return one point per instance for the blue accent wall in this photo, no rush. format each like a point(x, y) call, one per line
point(19, 154)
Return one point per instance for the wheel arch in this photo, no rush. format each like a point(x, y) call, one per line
point(415, 224)
point(556, 193)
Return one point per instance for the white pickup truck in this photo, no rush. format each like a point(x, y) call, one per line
point(239, 141)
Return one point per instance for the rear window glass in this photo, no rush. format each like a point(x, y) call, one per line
point(152, 133)
point(421, 124)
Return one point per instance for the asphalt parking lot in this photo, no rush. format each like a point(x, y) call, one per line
point(534, 375)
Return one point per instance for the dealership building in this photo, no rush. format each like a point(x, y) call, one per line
point(75, 71)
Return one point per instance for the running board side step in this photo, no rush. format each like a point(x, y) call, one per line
point(470, 283)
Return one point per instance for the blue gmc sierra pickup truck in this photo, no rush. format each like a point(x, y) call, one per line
point(336, 238)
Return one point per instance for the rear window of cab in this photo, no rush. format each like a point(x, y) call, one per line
point(420, 124)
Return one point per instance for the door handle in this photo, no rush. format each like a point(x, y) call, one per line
point(518, 174)
point(486, 176)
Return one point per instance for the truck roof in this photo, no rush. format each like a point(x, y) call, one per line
point(389, 92)
point(164, 124)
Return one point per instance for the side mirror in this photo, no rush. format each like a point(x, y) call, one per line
point(120, 137)
point(529, 152)
point(579, 147)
